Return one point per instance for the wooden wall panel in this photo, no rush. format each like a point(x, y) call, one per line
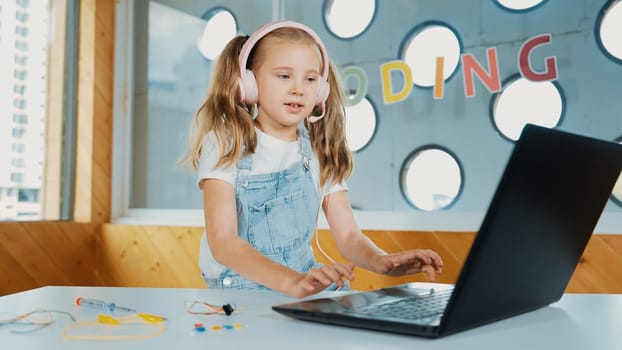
point(15, 276)
point(59, 253)
point(149, 256)
point(599, 271)
point(37, 254)
point(155, 256)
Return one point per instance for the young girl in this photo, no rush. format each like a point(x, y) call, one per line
point(269, 147)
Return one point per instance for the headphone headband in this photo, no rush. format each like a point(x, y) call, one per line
point(269, 27)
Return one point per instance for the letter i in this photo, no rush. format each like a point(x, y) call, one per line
point(439, 82)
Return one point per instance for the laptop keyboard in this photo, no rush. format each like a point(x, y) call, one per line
point(410, 308)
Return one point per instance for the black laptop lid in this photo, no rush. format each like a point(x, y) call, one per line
point(545, 208)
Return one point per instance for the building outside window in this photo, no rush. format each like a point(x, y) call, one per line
point(28, 32)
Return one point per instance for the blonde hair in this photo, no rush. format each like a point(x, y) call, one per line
point(231, 121)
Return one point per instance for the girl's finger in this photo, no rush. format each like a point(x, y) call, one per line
point(344, 271)
point(320, 276)
point(429, 271)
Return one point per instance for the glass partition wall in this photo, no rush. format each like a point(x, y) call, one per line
point(436, 96)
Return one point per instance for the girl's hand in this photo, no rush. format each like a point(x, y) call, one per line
point(410, 262)
point(316, 280)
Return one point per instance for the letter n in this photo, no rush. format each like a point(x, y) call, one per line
point(490, 79)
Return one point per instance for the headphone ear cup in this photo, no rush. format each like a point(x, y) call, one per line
point(248, 87)
point(323, 89)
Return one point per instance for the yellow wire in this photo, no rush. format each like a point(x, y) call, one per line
point(159, 329)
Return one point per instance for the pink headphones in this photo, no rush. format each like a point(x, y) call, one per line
point(247, 82)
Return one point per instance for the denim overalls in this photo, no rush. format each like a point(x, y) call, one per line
point(277, 213)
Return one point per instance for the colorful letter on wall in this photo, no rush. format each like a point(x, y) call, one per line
point(389, 96)
point(361, 89)
point(488, 73)
point(489, 79)
point(439, 82)
point(523, 60)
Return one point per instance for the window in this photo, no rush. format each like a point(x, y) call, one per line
point(18, 133)
point(167, 92)
point(35, 114)
point(21, 31)
point(616, 195)
point(424, 44)
point(21, 45)
point(519, 5)
point(523, 101)
point(20, 118)
point(21, 16)
point(28, 195)
point(20, 74)
point(220, 27)
point(431, 178)
point(607, 29)
point(19, 103)
point(617, 191)
point(348, 18)
point(361, 123)
point(28, 215)
point(18, 147)
point(18, 162)
point(168, 71)
point(21, 60)
point(19, 89)
point(17, 177)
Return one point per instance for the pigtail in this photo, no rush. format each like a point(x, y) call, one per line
point(328, 135)
point(223, 113)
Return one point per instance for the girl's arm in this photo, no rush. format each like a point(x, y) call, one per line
point(359, 249)
point(235, 253)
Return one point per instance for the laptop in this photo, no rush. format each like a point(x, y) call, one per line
point(543, 212)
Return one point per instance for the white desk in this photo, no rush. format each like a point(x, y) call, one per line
point(578, 321)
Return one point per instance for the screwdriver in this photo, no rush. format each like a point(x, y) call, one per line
point(99, 304)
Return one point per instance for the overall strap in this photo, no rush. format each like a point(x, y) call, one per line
point(304, 147)
point(246, 162)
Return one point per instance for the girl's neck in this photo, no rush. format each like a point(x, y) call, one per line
point(285, 133)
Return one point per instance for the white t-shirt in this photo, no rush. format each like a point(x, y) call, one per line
point(271, 155)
